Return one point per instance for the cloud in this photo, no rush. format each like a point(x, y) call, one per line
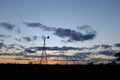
point(32, 24)
point(29, 51)
point(28, 39)
point(86, 28)
point(7, 26)
point(17, 30)
point(19, 40)
point(99, 58)
point(34, 38)
point(12, 49)
point(103, 46)
point(73, 35)
point(4, 36)
point(1, 40)
point(95, 47)
point(117, 44)
point(1, 45)
point(39, 25)
point(106, 46)
point(83, 27)
point(107, 52)
point(55, 48)
point(82, 54)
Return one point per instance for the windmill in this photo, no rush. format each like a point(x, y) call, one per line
point(44, 54)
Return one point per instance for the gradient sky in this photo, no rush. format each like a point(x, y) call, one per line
point(102, 15)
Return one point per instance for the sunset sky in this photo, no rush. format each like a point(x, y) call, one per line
point(73, 23)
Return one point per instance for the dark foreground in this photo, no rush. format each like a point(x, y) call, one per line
point(62, 71)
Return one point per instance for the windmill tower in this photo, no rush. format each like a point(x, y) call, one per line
point(44, 54)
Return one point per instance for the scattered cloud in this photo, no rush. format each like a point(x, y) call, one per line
point(19, 40)
point(17, 30)
point(71, 35)
point(4, 36)
point(95, 47)
point(39, 25)
point(28, 39)
point(83, 27)
point(1, 45)
point(107, 52)
point(65, 53)
point(117, 44)
point(32, 24)
point(7, 26)
point(29, 51)
point(1, 40)
point(106, 46)
point(68, 35)
point(99, 58)
point(55, 48)
point(34, 38)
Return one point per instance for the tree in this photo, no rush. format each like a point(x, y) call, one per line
point(117, 55)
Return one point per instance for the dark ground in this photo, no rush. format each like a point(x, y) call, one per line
point(72, 72)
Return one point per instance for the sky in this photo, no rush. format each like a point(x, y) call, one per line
point(75, 23)
point(102, 15)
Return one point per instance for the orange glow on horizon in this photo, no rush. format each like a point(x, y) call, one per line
point(50, 62)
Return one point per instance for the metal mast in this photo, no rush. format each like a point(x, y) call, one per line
point(44, 54)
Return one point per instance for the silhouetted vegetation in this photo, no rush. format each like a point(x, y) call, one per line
point(117, 55)
point(113, 62)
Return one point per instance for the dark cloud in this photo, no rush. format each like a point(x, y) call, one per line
point(11, 46)
point(94, 47)
point(10, 27)
point(117, 44)
point(71, 35)
point(1, 40)
point(7, 26)
point(28, 39)
point(21, 46)
point(4, 36)
point(19, 40)
point(106, 46)
point(13, 54)
point(32, 24)
point(29, 51)
point(87, 28)
point(14, 46)
point(1, 45)
point(107, 52)
point(103, 46)
point(64, 42)
point(39, 25)
point(34, 38)
point(56, 48)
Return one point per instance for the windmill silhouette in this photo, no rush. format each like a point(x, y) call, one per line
point(44, 54)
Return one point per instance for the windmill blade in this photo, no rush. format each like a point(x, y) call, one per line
point(42, 37)
point(48, 37)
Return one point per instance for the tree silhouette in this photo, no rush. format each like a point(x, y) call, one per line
point(117, 55)
point(113, 62)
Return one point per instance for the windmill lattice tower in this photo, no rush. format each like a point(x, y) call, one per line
point(44, 54)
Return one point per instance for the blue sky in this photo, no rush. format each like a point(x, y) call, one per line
point(102, 15)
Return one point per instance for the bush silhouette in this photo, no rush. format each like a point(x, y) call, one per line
point(117, 55)
point(113, 62)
